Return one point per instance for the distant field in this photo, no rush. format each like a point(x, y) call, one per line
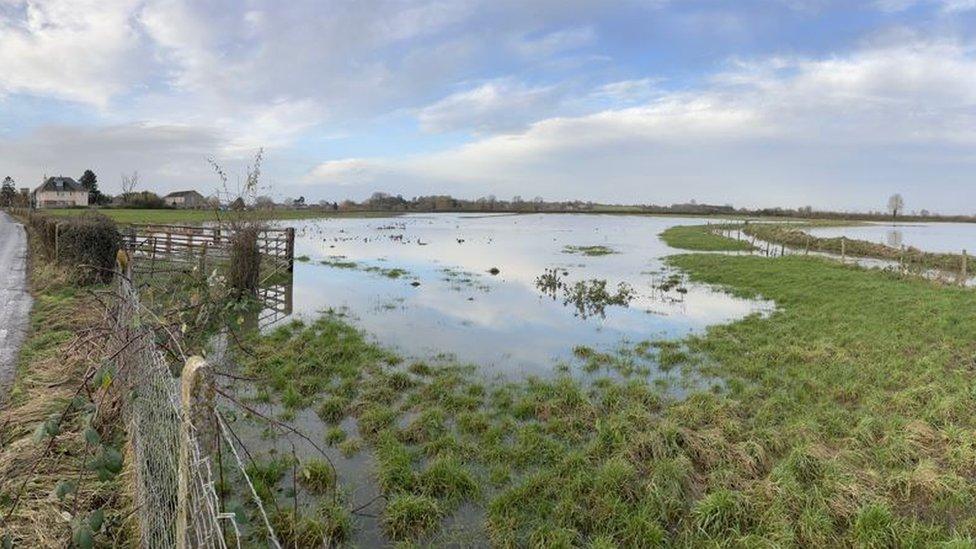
point(203, 216)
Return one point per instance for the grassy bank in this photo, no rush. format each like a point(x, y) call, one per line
point(55, 484)
point(127, 216)
point(702, 238)
point(845, 418)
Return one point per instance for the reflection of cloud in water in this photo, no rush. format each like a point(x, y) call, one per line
point(510, 325)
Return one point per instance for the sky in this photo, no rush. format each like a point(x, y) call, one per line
point(835, 104)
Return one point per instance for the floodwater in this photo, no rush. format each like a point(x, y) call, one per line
point(511, 294)
point(424, 285)
point(929, 237)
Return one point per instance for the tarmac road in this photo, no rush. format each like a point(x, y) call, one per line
point(15, 300)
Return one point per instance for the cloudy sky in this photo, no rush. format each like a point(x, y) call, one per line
point(831, 103)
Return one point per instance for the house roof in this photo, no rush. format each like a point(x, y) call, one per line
point(183, 194)
point(60, 183)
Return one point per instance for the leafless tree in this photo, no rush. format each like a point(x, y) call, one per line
point(895, 204)
point(129, 184)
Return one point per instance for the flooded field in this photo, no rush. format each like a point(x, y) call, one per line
point(511, 293)
point(929, 237)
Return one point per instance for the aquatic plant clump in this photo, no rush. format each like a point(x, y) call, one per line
point(591, 251)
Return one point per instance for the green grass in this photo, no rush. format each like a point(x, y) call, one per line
point(129, 216)
point(591, 251)
point(701, 238)
point(847, 417)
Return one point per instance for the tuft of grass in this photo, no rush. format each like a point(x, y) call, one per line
point(333, 409)
point(317, 476)
point(335, 435)
point(446, 478)
point(409, 516)
point(591, 251)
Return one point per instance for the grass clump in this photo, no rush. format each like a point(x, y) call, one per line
point(317, 476)
point(328, 525)
point(409, 516)
point(333, 409)
point(591, 251)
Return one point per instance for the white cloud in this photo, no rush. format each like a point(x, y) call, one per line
point(348, 171)
point(946, 6)
point(499, 105)
point(555, 42)
point(78, 50)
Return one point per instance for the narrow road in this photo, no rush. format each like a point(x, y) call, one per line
point(15, 300)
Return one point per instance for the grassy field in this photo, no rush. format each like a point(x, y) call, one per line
point(127, 216)
point(845, 418)
point(701, 238)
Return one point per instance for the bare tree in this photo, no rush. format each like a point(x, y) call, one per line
point(129, 184)
point(895, 204)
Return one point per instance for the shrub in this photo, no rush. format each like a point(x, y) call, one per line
point(245, 261)
point(88, 243)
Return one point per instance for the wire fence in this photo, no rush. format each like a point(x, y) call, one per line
point(173, 481)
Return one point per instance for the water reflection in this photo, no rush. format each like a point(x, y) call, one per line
point(894, 238)
point(467, 285)
point(929, 237)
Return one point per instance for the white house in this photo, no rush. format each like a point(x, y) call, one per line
point(185, 199)
point(60, 192)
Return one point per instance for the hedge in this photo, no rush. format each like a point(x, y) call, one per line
point(88, 243)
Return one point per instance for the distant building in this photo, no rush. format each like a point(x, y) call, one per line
point(60, 192)
point(185, 199)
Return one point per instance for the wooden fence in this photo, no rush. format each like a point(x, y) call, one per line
point(198, 245)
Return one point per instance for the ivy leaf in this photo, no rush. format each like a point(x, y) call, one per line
point(83, 537)
point(96, 519)
point(92, 437)
point(64, 488)
point(112, 459)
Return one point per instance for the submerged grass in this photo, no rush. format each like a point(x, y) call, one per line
point(845, 418)
point(591, 251)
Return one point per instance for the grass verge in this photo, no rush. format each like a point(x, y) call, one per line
point(73, 494)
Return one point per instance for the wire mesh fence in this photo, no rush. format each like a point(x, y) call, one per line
point(173, 482)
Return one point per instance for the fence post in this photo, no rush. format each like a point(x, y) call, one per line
point(965, 267)
point(198, 427)
point(843, 248)
point(57, 242)
point(290, 247)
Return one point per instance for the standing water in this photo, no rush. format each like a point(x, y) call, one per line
point(929, 237)
point(481, 287)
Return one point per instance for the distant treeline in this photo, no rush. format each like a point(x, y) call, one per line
point(383, 202)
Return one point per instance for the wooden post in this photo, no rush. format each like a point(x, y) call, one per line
point(203, 259)
point(843, 248)
point(965, 267)
point(290, 247)
point(57, 241)
point(198, 427)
